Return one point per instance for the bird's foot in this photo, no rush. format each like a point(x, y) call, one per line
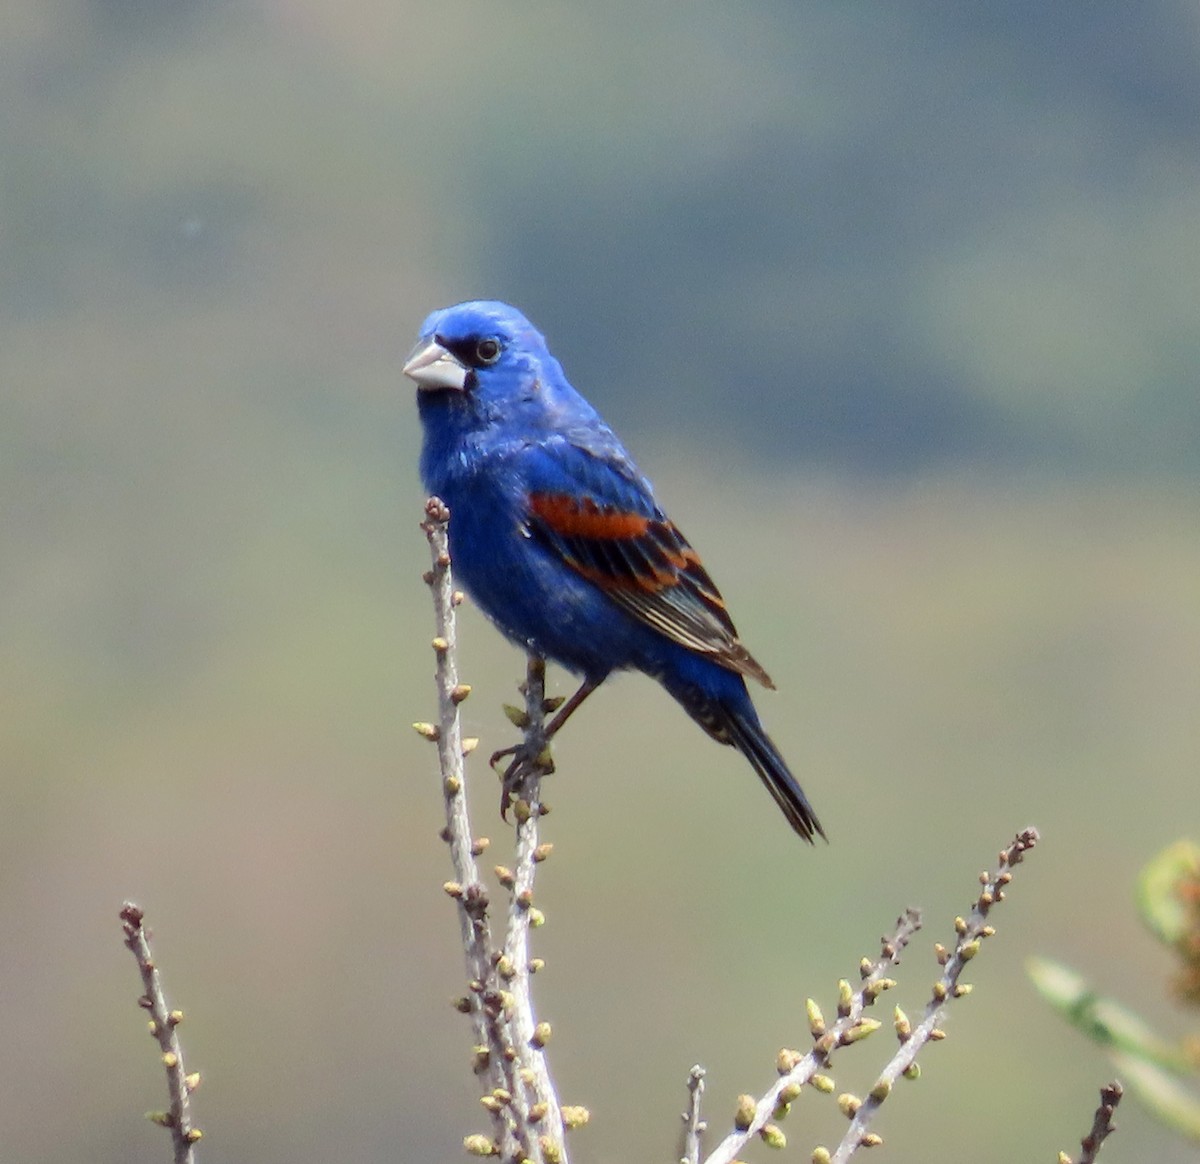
point(530, 758)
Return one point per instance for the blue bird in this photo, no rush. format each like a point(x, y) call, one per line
point(557, 536)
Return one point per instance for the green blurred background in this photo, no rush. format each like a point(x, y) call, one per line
point(897, 303)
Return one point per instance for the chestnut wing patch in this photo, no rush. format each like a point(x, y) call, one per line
point(645, 565)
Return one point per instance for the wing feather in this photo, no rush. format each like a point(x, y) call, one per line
point(629, 548)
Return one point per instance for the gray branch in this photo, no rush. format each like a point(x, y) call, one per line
point(797, 1070)
point(1102, 1124)
point(163, 1023)
point(693, 1123)
point(529, 1036)
point(970, 932)
point(509, 1056)
point(754, 1116)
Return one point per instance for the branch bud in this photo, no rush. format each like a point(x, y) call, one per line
point(848, 1104)
point(845, 998)
point(874, 989)
point(816, 1020)
point(743, 1117)
point(860, 1030)
point(787, 1060)
point(772, 1135)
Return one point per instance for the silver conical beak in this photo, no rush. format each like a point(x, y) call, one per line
point(432, 366)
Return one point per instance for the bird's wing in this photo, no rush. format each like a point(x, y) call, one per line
point(592, 507)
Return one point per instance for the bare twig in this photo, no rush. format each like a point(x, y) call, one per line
point(526, 1118)
point(163, 1023)
point(693, 1123)
point(970, 932)
point(529, 1037)
point(1102, 1125)
point(484, 1003)
point(796, 1069)
point(754, 1117)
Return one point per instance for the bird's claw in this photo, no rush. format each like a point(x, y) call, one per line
point(528, 759)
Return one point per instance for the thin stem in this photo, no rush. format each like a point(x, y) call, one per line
point(795, 1069)
point(970, 932)
point(484, 1003)
point(693, 1124)
point(163, 1023)
point(1102, 1122)
point(528, 1038)
point(509, 1043)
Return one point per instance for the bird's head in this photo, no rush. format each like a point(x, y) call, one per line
point(484, 363)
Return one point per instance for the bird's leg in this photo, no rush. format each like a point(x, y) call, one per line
point(531, 752)
point(564, 712)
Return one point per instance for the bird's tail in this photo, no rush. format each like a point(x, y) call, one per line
point(731, 719)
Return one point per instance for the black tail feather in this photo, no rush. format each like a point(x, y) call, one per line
point(730, 718)
point(754, 743)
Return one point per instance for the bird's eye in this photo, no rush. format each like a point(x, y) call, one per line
point(487, 351)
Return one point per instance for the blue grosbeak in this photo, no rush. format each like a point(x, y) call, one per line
point(557, 536)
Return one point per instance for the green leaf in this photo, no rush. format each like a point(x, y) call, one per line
point(1104, 1021)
